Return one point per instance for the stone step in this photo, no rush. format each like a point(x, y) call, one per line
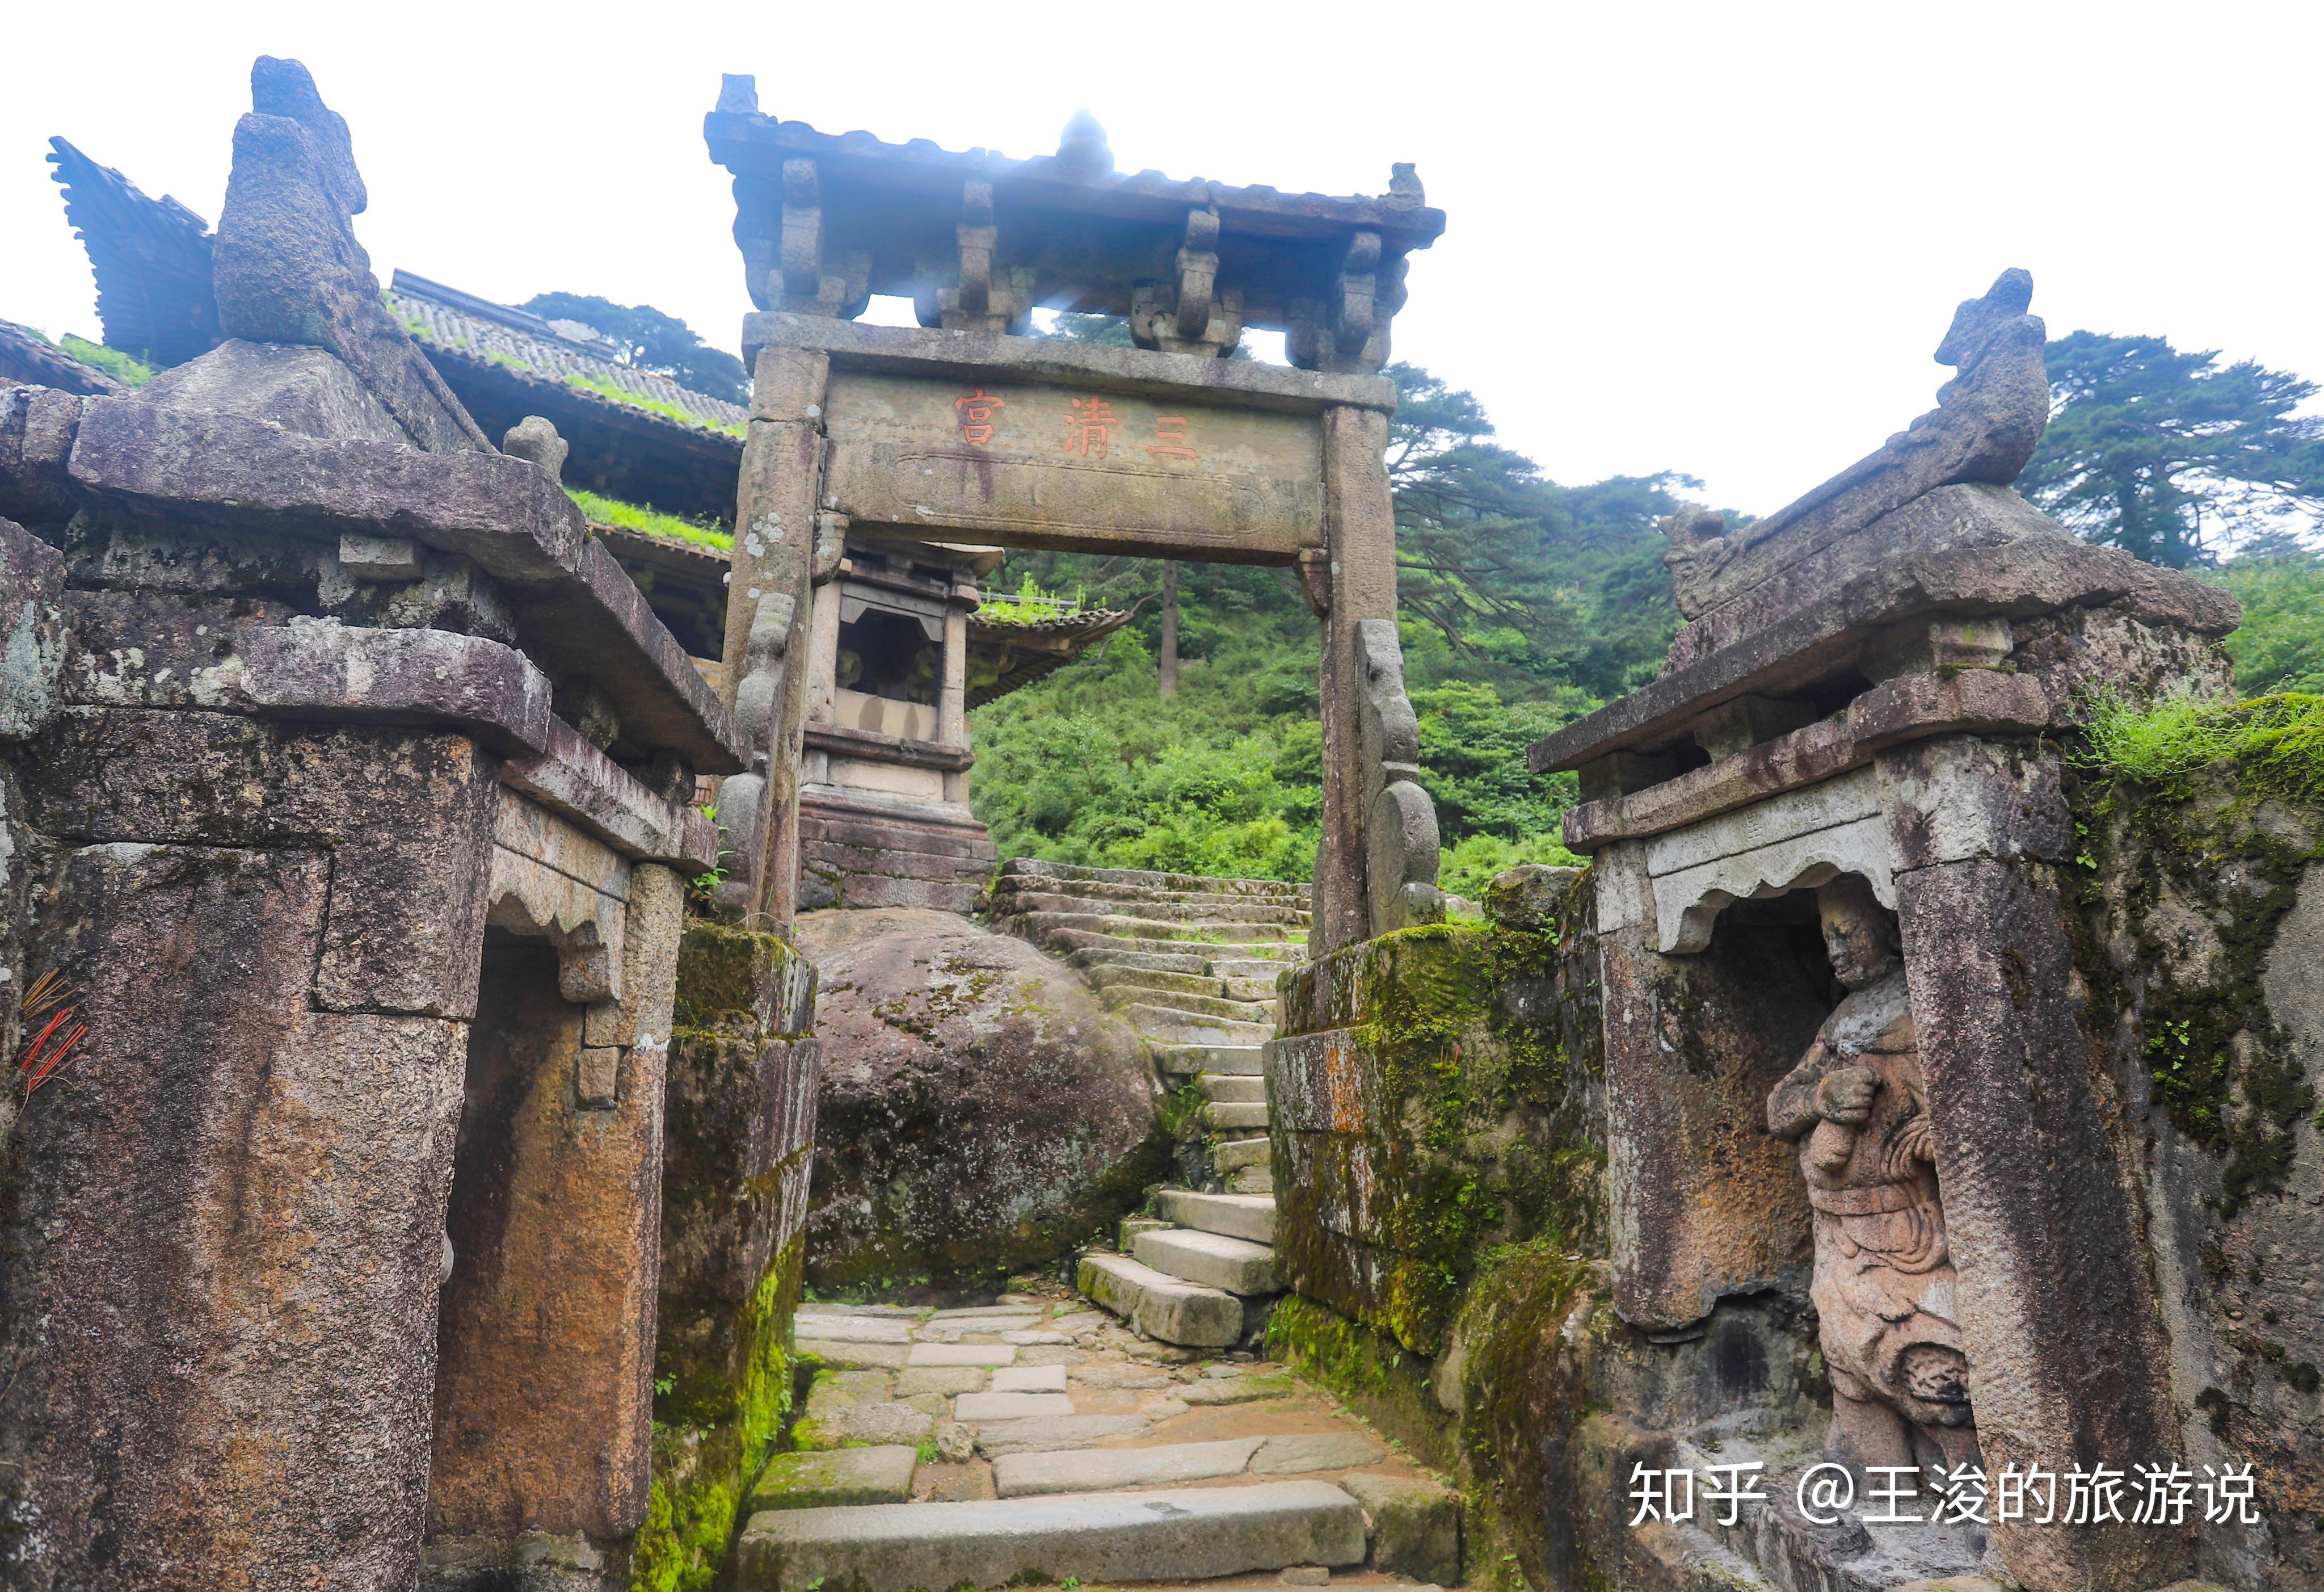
point(1235, 1060)
point(1236, 1153)
point(1170, 1026)
point(1035, 902)
point(1181, 1000)
point(1133, 895)
point(1237, 1215)
point(1180, 1534)
point(1239, 1115)
point(1095, 1470)
point(1023, 867)
point(1248, 989)
point(1229, 1086)
point(1039, 926)
point(1242, 967)
point(1116, 977)
point(1214, 1260)
point(1088, 957)
point(1253, 1179)
point(1158, 1304)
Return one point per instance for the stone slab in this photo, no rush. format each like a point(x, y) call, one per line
point(836, 1478)
point(854, 1329)
point(1044, 1433)
point(849, 1424)
point(1110, 1537)
point(886, 1356)
point(1321, 1450)
point(945, 1381)
point(951, 1330)
point(1095, 1470)
point(984, 1312)
point(1225, 1090)
point(1416, 1525)
point(1029, 1379)
point(1250, 1217)
point(1041, 1336)
point(1211, 1259)
point(1236, 1116)
point(1160, 1306)
point(1011, 1406)
point(1237, 1153)
point(962, 1353)
point(1242, 1390)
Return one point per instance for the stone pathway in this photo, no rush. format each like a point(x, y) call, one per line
point(1038, 1437)
point(1190, 961)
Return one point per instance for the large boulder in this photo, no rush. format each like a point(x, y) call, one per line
point(981, 1113)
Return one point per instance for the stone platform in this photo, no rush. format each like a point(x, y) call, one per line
point(859, 850)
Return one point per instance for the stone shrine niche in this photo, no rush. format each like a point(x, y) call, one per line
point(1866, 702)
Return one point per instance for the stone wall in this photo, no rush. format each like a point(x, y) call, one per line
point(738, 1150)
point(2198, 906)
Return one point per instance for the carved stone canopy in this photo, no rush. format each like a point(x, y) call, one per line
point(977, 240)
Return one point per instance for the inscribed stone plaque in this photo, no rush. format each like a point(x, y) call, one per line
point(1045, 466)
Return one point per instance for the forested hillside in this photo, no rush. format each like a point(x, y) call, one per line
point(1526, 603)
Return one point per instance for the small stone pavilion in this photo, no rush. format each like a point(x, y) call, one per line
point(1848, 771)
point(344, 785)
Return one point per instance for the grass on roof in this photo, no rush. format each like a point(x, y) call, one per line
point(122, 367)
point(646, 522)
point(605, 387)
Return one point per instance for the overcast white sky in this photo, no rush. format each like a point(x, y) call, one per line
point(1722, 240)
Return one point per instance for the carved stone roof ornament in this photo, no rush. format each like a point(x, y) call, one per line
point(977, 240)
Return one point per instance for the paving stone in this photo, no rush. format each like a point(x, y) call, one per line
point(1416, 1525)
point(1306, 1575)
point(1211, 1259)
point(854, 1329)
point(947, 1380)
point(1224, 1089)
point(1237, 1215)
point(888, 1355)
point(824, 1307)
point(1011, 1406)
point(1079, 1320)
point(968, 1312)
point(865, 1423)
point(1108, 1376)
point(1240, 1391)
point(1046, 1354)
point(836, 1476)
point(952, 1484)
point(1232, 1116)
point(956, 1442)
point(1097, 1470)
point(1038, 1336)
point(1045, 1433)
point(1159, 1305)
point(1029, 1379)
point(1319, 1450)
point(962, 1353)
point(1188, 1533)
point(935, 1406)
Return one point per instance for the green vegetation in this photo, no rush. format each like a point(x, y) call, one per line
point(2280, 647)
point(646, 522)
point(1027, 605)
point(2276, 742)
point(606, 387)
point(1526, 604)
point(113, 362)
point(2168, 454)
point(652, 341)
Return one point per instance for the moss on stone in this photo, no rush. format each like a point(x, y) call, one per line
point(2231, 840)
point(1480, 1050)
point(720, 972)
point(714, 1432)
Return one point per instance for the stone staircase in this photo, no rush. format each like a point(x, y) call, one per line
point(1035, 1440)
point(1189, 961)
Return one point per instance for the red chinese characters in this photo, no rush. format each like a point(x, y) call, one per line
point(1089, 427)
point(975, 412)
point(1170, 438)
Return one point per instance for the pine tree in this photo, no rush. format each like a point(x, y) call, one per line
point(2172, 455)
